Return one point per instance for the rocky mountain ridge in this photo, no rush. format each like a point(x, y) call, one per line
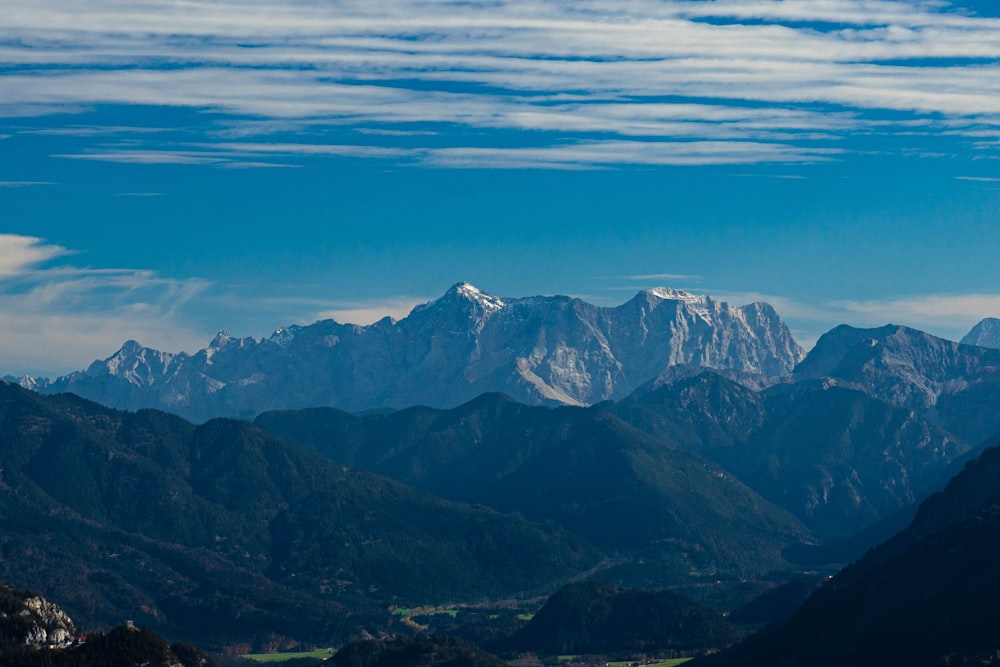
point(953, 384)
point(539, 350)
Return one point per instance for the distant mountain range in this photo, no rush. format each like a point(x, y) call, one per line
point(538, 350)
point(541, 351)
point(671, 441)
point(862, 427)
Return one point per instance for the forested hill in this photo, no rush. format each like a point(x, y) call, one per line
point(223, 532)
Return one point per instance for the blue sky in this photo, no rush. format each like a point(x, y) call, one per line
point(171, 168)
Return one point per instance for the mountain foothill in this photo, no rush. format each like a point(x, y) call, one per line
point(297, 489)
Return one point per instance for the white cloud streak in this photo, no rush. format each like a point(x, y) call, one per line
point(608, 153)
point(780, 77)
point(367, 312)
point(933, 310)
point(20, 254)
point(646, 277)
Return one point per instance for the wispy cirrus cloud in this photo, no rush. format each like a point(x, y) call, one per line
point(607, 153)
point(23, 184)
point(947, 315)
point(345, 311)
point(20, 254)
point(367, 312)
point(646, 277)
point(784, 81)
point(229, 155)
point(57, 315)
point(959, 311)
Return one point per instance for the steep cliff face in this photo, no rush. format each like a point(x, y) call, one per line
point(540, 350)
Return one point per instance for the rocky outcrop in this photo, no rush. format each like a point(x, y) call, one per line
point(29, 618)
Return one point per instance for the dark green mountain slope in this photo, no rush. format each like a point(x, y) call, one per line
point(704, 412)
point(838, 459)
point(600, 618)
point(975, 489)
point(584, 469)
point(223, 532)
point(929, 596)
point(841, 460)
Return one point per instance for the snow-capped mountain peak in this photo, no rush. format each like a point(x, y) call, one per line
point(535, 349)
point(472, 293)
point(138, 365)
point(130, 348)
point(284, 335)
point(28, 382)
point(484, 305)
point(671, 294)
point(699, 304)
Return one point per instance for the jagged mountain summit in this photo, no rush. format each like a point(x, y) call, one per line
point(956, 385)
point(899, 365)
point(985, 334)
point(539, 350)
